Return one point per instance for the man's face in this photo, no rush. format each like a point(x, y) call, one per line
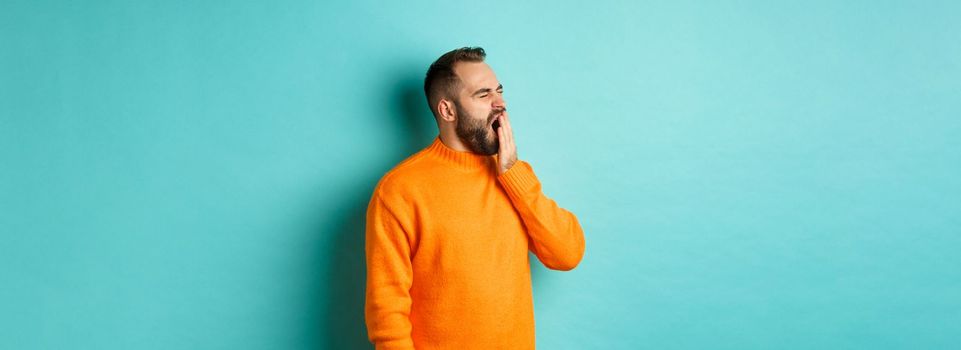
point(478, 104)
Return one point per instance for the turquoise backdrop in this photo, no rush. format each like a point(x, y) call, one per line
point(749, 174)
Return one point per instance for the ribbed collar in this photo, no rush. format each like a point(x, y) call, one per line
point(463, 160)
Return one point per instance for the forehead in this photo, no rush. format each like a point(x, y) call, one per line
point(475, 75)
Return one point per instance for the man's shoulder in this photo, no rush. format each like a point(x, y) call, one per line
point(410, 175)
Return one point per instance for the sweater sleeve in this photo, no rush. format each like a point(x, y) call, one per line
point(554, 234)
point(389, 278)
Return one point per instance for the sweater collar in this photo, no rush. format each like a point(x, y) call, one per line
point(461, 159)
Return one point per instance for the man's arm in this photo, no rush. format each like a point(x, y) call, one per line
point(389, 278)
point(554, 234)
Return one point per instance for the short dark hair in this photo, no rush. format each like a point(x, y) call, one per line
point(441, 81)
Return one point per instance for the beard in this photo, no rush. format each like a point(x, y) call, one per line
point(476, 133)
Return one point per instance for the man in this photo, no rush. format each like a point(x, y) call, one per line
point(449, 228)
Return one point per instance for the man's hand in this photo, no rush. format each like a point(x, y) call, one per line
point(507, 153)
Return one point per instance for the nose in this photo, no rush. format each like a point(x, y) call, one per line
point(499, 102)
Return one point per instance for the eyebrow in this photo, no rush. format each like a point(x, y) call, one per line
point(499, 87)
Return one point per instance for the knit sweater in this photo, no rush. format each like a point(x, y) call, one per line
point(446, 243)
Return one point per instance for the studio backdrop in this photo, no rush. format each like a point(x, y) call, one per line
point(748, 174)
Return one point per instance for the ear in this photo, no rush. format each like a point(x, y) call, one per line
point(446, 110)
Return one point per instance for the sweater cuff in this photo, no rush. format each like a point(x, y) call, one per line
point(519, 180)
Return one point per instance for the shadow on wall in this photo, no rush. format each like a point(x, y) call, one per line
point(343, 309)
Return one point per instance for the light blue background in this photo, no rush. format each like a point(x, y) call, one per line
point(749, 175)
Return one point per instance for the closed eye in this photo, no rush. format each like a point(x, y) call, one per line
point(484, 93)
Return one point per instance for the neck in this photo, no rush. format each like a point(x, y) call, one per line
point(451, 140)
point(462, 159)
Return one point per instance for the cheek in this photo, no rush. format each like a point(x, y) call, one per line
point(480, 109)
point(478, 115)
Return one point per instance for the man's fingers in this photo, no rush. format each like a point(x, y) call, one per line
point(500, 133)
point(507, 151)
point(505, 131)
point(509, 133)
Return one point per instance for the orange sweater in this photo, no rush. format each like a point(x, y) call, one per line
point(446, 244)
